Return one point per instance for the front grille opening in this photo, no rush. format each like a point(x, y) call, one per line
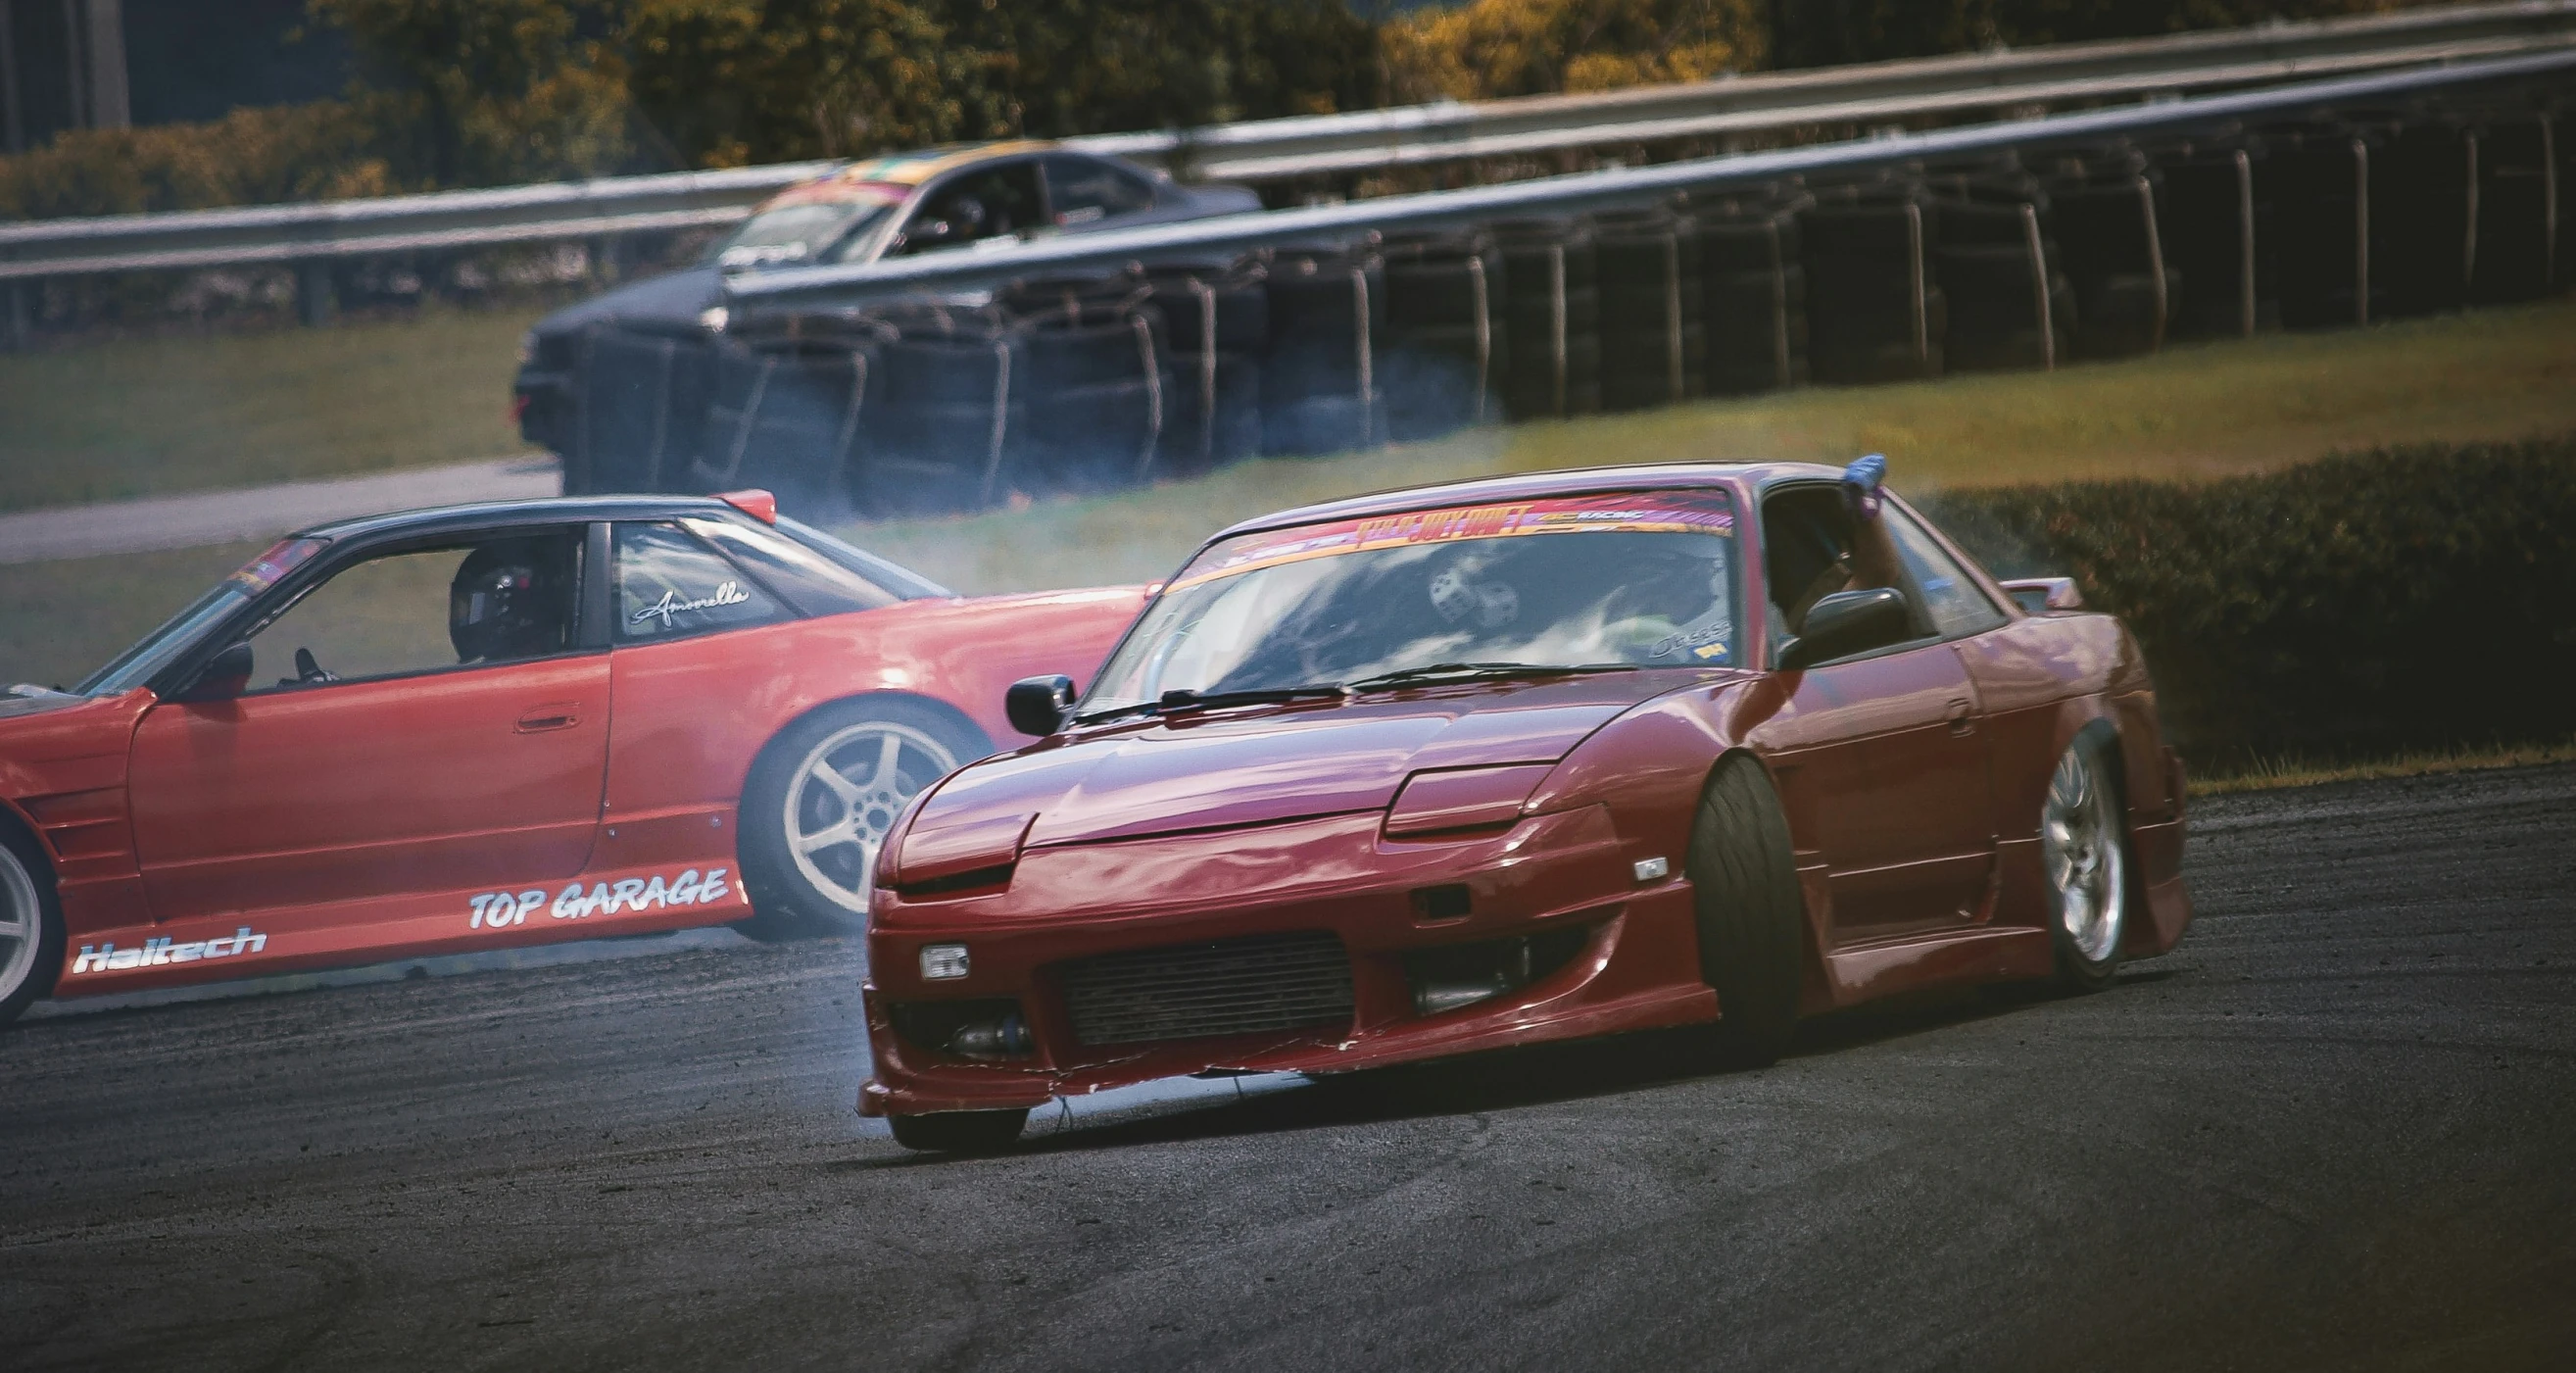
point(1454, 975)
point(980, 1028)
point(1199, 991)
point(1450, 902)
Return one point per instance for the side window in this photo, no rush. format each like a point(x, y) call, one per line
point(491, 601)
point(670, 586)
point(816, 584)
point(1082, 190)
point(995, 203)
point(1953, 601)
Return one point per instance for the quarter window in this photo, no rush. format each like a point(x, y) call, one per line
point(669, 586)
point(1951, 597)
point(1082, 191)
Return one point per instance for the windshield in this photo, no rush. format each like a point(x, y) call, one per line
point(156, 650)
point(1626, 580)
point(790, 235)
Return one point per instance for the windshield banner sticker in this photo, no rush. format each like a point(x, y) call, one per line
point(263, 572)
point(1625, 512)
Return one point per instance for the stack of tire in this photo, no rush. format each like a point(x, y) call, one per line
point(640, 397)
point(2424, 208)
point(955, 397)
point(1216, 320)
point(2519, 200)
point(1447, 344)
point(2313, 207)
point(1552, 315)
point(1319, 384)
point(1753, 289)
point(1654, 332)
point(2105, 205)
point(1875, 310)
point(1096, 390)
point(2011, 304)
point(2210, 224)
point(786, 412)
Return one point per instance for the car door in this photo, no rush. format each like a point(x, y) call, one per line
point(1880, 753)
point(385, 757)
point(992, 205)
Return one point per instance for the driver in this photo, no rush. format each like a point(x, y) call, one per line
point(507, 601)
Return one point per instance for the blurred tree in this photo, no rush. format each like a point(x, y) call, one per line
point(1495, 48)
point(1815, 33)
point(471, 92)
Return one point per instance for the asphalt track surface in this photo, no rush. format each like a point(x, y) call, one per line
point(2337, 1129)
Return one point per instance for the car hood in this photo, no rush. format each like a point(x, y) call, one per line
point(670, 302)
point(1261, 765)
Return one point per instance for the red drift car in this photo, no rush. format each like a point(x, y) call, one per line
point(500, 724)
point(1517, 760)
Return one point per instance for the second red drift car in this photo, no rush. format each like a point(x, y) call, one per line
point(1525, 759)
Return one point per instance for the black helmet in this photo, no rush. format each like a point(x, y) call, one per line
point(507, 601)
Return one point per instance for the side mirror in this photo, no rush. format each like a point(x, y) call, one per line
point(1039, 705)
point(1847, 622)
point(226, 677)
point(2040, 595)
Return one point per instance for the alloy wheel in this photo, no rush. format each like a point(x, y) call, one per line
point(2079, 842)
point(845, 796)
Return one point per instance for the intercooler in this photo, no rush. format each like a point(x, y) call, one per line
point(1193, 991)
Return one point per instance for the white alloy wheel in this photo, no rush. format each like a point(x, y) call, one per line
point(845, 794)
point(2086, 856)
point(22, 924)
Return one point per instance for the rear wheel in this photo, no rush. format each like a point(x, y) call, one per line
point(1744, 881)
point(821, 799)
point(31, 926)
point(2084, 852)
point(959, 1132)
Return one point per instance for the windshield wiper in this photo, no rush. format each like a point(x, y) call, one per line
point(1186, 699)
point(1182, 698)
point(1468, 672)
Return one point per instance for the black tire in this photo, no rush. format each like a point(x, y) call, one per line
point(1752, 921)
point(2080, 968)
point(787, 900)
point(960, 1132)
point(28, 966)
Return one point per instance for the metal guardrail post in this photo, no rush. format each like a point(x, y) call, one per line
point(15, 331)
point(316, 301)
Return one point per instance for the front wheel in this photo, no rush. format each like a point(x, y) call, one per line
point(31, 927)
point(821, 799)
point(1752, 921)
point(2084, 851)
point(959, 1132)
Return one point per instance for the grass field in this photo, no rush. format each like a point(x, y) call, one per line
point(155, 416)
point(2190, 412)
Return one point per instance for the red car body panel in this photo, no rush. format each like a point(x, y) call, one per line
point(584, 794)
point(1912, 782)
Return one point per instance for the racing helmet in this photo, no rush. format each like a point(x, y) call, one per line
point(507, 601)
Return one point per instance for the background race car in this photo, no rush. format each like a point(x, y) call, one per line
point(499, 724)
point(1532, 758)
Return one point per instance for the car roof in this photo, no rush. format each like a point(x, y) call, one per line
point(1579, 481)
point(905, 169)
point(447, 519)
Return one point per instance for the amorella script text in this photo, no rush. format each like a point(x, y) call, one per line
point(494, 910)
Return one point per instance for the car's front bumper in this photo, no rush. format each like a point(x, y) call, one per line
point(1635, 966)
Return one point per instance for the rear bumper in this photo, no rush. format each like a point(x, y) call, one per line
point(1636, 967)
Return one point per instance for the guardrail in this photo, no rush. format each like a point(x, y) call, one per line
point(1325, 145)
point(831, 287)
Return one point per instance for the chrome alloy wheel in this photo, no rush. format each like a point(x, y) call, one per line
point(846, 794)
point(2087, 864)
point(22, 929)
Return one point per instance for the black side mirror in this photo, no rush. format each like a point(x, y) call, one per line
point(224, 678)
point(1847, 622)
point(1039, 705)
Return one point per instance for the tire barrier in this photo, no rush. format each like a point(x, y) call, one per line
point(1874, 310)
point(1157, 369)
point(1753, 290)
point(1447, 343)
point(1319, 385)
point(1552, 315)
point(1654, 331)
point(1216, 319)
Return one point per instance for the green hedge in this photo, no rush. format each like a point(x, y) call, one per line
point(2399, 598)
